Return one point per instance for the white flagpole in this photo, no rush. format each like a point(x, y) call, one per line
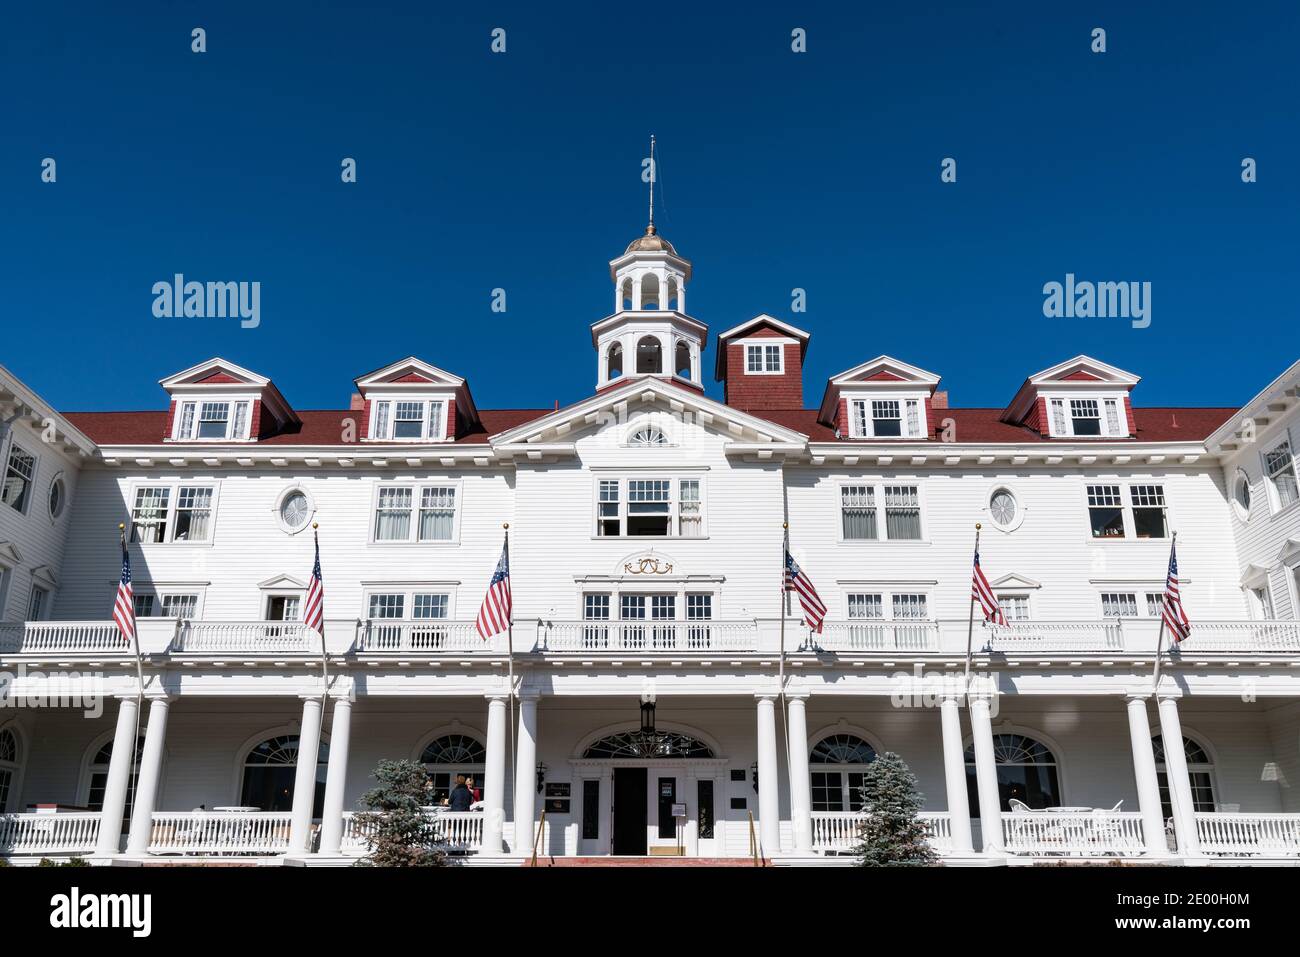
point(139, 692)
point(1160, 635)
point(970, 624)
point(324, 655)
point(516, 843)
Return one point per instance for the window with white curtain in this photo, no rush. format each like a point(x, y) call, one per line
point(437, 513)
point(1015, 606)
point(861, 505)
point(408, 420)
point(19, 473)
point(396, 521)
point(393, 515)
point(658, 506)
point(179, 514)
point(886, 418)
point(858, 512)
point(212, 420)
point(193, 514)
point(902, 513)
point(1116, 604)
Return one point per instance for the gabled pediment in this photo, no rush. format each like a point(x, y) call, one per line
point(1013, 581)
point(409, 373)
point(885, 369)
point(10, 555)
point(641, 394)
point(1289, 551)
point(46, 575)
point(1084, 369)
point(281, 581)
point(215, 372)
point(1082, 374)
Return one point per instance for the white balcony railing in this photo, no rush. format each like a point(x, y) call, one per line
point(72, 637)
point(688, 636)
point(877, 636)
point(1246, 835)
point(1276, 636)
point(219, 637)
point(71, 832)
point(220, 832)
point(458, 831)
point(1058, 636)
point(837, 831)
point(1078, 834)
point(426, 635)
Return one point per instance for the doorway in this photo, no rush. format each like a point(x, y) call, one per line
point(630, 818)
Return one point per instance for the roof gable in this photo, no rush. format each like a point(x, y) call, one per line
point(215, 371)
point(1081, 372)
point(407, 372)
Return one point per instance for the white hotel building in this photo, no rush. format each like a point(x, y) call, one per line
point(645, 541)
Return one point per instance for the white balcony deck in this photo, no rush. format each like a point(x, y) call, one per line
point(62, 637)
point(836, 832)
point(222, 637)
point(1248, 835)
point(62, 833)
point(675, 636)
point(459, 832)
point(430, 635)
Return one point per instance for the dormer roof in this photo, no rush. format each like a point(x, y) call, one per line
point(883, 373)
point(221, 377)
point(1080, 373)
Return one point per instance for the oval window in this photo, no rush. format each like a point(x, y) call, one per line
point(58, 498)
point(1003, 507)
point(295, 510)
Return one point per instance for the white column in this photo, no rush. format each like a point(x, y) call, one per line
point(336, 778)
point(1144, 773)
point(681, 296)
point(304, 780)
point(1180, 785)
point(525, 775)
point(146, 788)
point(800, 782)
point(119, 779)
point(954, 774)
point(986, 775)
point(494, 777)
point(769, 803)
point(636, 295)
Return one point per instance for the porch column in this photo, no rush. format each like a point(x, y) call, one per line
point(119, 779)
point(954, 774)
point(525, 774)
point(146, 788)
point(304, 780)
point(986, 775)
point(1180, 785)
point(769, 802)
point(1144, 772)
point(336, 777)
point(494, 775)
point(800, 782)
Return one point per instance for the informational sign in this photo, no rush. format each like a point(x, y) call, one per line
point(558, 790)
point(679, 810)
point(557, 805)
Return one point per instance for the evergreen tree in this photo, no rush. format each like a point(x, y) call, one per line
point(399, 833)
point(892, 835)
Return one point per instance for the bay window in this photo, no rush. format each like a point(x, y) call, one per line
point(408, 420)
point(396, 521)
point(178, 514)
point(637, 507)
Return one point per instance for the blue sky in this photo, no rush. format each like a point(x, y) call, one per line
point(522, 171)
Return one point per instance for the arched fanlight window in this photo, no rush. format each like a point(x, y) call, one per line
point(446, 757)
point(660, 744)
point(683, 359)
point(837, 764)
point(97, 778)
point(1200, 771)
point(269, 771)
point(614, 362)
point(1027, 772)
point(647, 436)
point(8, 766)
point(649, 356)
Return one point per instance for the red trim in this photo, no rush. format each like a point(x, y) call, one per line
point(451, 418)
point(1128, 411)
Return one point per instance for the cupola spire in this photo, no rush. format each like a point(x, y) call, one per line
point(650, 229)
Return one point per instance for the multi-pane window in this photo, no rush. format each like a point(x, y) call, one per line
point(193, 514)
point(858, 512)
point(1085, 417)
point(387, 605)
point(407, 420)
point(429, 605)
point(1119, 604)
point(1155, 603)
point(866, 606)
point(886, 418)
point(763, 358)
point(699, 606)
point(1112, 417)
point(1015, 606)
point(394, 519)
point(1106, 511)
point(1148, 511)
point(902, 513)
point(149, 514)
point(19, 473)
point(595, 608)
point(143, 605)
point(180, 606)
point(36, 603)
point(1279, 464)
point(283, 607)
point(910, 607)
point(1058, 417)
point(213, 420)
point(649, 506)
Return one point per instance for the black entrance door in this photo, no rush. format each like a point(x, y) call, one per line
point(629, 811)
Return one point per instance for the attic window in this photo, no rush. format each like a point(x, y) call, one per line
point(213, 421)
point(408, 420)
point(647, 437)
point(763, 359)
point(886, 418)
point(1087, 416)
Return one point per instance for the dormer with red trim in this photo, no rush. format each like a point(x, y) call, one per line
point(218, 401)
point(1079, 398)
point(413, 401)
point(760, 365)
point(881, 399)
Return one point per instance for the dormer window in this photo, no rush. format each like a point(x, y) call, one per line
point(215, 420)
point(764, 359)
point(408, 420)
point(1085, 416)
point(886, 418)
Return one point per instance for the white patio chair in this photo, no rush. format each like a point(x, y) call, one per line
point(1019, 807)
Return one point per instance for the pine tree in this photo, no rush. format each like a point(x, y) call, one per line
point(399, 833)
point(892, 835)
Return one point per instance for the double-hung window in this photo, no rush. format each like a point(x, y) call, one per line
point(651, 506)
point(212, 420)
point(763, 358)
point(595, 616)
point(1085, 416)
point(407, 420)
point(860, 513)
point(1119, 604)
point(906, 626)
point(1149, 511)
point(19, 474)
point(1146, 504)
point(1106, 511)
point(1015, 606)
point(885, 418)
point(396, 521)
point(164, 513)
point(1279, 466)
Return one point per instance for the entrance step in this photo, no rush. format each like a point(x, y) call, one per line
point(647, 862)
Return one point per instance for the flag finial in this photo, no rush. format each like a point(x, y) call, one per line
point(505, 525)
point(315, 524)
point(978, 526)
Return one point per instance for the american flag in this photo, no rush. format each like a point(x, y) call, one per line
point(494, 615)
point(814, 611)
point(313, 615)
point(124, 606)
point(981, 592)
point(1171, 605)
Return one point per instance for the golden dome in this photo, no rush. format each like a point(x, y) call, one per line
point(651, 242)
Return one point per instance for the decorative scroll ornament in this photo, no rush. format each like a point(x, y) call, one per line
point(648, 566)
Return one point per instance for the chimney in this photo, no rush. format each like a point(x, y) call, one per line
point(939, 400)
point(358, 402)
point(760, 365)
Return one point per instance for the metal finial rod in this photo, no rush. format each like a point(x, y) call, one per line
point(651, 228)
